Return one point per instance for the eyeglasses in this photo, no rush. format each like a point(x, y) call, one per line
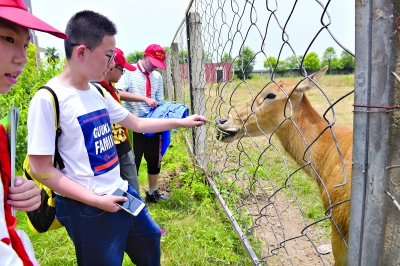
point(110, 57)
point(120, 68)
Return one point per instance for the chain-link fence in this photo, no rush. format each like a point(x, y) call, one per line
point(277, 151)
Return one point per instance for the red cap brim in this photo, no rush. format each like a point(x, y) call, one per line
point(26, 19)
point(157, 63)
point(129, 66)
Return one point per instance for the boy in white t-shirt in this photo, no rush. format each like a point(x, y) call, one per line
point(100, 231)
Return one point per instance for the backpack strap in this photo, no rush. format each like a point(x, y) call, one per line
point(98, 87)
point(57, 157)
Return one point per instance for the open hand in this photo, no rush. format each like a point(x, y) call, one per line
point(194, 121)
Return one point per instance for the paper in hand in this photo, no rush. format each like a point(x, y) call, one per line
point(13, 117)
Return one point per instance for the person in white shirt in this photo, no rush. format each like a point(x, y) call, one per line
point(142, 90)
point(100, 230)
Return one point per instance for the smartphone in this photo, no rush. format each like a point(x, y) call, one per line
point(132, 205)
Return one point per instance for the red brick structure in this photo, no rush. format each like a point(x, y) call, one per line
point(214, 72)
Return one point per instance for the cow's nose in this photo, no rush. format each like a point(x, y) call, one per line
point(220, 121)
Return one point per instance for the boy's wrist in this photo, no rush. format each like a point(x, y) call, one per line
point(180, 123)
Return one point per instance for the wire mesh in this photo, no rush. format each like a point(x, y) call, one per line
point(283, 193)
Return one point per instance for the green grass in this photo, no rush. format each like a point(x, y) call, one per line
point(199, 233)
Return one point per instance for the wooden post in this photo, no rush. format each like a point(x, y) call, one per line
point(197, 83)
point(167, 81)
point(176, 74)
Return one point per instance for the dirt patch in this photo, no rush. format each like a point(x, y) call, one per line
point(168, 178)
point(284, 236)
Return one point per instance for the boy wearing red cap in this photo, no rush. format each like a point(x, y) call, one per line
point(100, 230)
point(125, 156)
point(142, 90)
point(15, 21)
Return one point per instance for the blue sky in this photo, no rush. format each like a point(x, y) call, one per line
point(140, 23)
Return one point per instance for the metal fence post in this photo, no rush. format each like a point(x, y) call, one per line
point(373, 92)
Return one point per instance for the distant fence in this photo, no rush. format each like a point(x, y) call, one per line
point(253, 177)
point(296, 73)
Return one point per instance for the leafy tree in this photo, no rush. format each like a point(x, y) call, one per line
point(291, 62)
point(300, 60)
point(226, 58)
point(245, 62)
point(21, 94)
point(52, 54)
point(328, 56)
point(281, 66)
point(31, 52)
point(335, 63)
point(134, 57)
point(346, 61)
point(312, 61)
point(271, 63)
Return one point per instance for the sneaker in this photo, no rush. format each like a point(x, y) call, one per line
point(163, 232)
point(155, 197)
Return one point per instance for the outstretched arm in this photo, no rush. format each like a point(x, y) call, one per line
point(143, 125)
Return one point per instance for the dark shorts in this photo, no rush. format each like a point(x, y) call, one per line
point(150, 148)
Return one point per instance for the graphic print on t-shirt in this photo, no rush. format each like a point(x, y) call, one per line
point(96, 128)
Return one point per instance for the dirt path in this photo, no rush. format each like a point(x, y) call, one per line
point(281, 231)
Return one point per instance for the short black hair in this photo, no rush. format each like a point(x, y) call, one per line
point(88, 28)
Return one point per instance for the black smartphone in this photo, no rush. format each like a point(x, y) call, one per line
point(132, 205)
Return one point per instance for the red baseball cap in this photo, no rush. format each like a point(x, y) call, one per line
point(120, 60)
point(156, 55)
point(16, 11)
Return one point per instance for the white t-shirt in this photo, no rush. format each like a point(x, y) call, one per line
point(135, 82)
point(86, 143)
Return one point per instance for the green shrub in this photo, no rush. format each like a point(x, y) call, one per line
point(35, 74)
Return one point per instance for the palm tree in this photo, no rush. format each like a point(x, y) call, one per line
point(52, 54)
